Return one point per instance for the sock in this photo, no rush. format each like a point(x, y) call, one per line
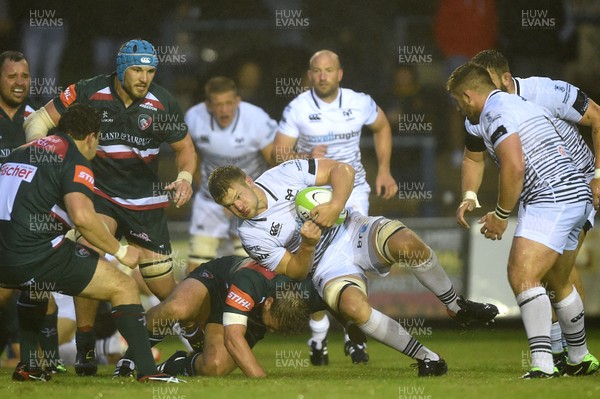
point(319, 330)
point(49, 340)
point(570, 316)
point(152, 339)
point(31, 311)
point(131, 323)
point(556, 338)
point(536, 313)
point(85, 339)
point(190, 369)
point(390, 332)
point(433, 276)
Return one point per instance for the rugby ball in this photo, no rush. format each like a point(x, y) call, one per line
point(307, 199)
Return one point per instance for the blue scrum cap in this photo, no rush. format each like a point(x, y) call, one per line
point(135, 52)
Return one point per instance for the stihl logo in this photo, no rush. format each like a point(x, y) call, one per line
point(84, 176)
point(238, 299)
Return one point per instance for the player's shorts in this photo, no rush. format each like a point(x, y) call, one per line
point(66, 307)
point(211, 219)
point(68, 269)
point(147, 229)
point(359, 199)
point(556, 226)
point(351, 252)
point(213, 276)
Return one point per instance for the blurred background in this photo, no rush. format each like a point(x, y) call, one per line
point(399, 52)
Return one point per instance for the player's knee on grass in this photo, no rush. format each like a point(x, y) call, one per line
point(348, 296)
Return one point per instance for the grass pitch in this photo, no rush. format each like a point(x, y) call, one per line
point(483, 364)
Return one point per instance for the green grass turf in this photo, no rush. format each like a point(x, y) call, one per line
point(483, 364)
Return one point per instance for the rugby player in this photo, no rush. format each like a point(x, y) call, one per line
point(572, 106)
point(539, 174)
point(225, 130)
point(51, 179)
point(275, 236)
point(326, 121)
point(137, 115)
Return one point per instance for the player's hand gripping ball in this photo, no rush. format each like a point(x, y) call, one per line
point(307, 199)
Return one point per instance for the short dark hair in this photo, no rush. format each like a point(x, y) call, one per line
point(469, 75)
point(221, 179)
point(79, 120)
point(219, 84)
point(492, 60)
point(290, 309)
point(11, 55)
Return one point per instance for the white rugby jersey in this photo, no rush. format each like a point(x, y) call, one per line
point(565, 102)
point(550, 172)
point(238, 144)
point(337, 125)
point(267, 236)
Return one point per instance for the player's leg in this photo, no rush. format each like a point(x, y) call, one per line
point(49, 337)
point(319, 326)
point(347, 295)
point(209, 226)
point(397, 243)
point(110, 284)
point(86, 309)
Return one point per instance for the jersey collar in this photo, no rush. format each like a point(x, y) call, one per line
point(517, 86)
point(318, 101)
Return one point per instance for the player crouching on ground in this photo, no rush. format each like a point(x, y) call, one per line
point(50, 180)
point(228, 304)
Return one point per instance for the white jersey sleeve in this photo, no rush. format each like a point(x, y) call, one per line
point(562, 99)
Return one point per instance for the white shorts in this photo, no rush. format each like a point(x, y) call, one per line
point(351, 252)
point(66, 308)
point(359, 199)
point(556, 226)
point(211, 219)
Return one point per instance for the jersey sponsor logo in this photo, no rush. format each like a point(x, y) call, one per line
point(68, 96)
point(19, 170)
point(275, 229)
point(105, 118)
point(144, 121)
point(141, 236)
point(238, 299)
point(314, 117)
point(145, 60)
point(84, 176)
point(204, 139)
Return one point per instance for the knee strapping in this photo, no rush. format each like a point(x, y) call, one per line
point(203, 249)
point(384, 232)
point(333, 291)
point(156, 268)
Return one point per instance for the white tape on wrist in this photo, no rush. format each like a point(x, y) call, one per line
point(472, 195)
point(597, 173)
point(184, 175)
point(121, 252)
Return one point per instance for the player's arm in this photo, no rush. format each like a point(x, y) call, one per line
point(185, 159)
point(340, 176)
point(283, 148)
point(591, 118)
point(382, 135)
point(238, 347)
point(81, 211)
point(268, 154)
point(297, 265)
point(510, 185)
point(39, 123)
point(473, 166)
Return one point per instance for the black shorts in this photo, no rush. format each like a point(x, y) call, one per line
point(68, 270)
point(147, 229)
point(212, 277)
